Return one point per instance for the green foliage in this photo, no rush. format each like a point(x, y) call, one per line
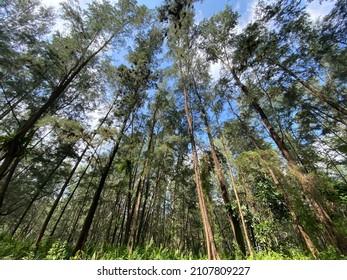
point(15, 250)
point(332, 254)
point(58, 251)
point(11, 249)
point(273, 255)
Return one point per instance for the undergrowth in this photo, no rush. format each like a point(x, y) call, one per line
point(50, 249)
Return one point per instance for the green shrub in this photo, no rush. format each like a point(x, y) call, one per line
point(58, 251)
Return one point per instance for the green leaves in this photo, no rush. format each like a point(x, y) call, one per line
point(68, 131)
point(218, 33)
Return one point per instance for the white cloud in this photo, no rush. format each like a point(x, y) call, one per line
point(59, 24)
point(53, 3)
point(237, 5)
point(199, 16)
point(215, 70)
point(248, 16)
point(316, 10)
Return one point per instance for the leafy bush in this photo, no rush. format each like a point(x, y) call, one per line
point(332, 254)
point(15, 250)
point(293, 254)
point(58, 251)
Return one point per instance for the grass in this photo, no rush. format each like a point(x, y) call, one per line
point(51, 249)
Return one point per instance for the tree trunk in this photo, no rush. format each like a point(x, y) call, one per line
point(39, 190)
point(308, 242)
point(13, 148)
point(70, 197)
point(90, 216)
point(141, 227)
point(72, 172)
point(80, 212)
point(8, 181)
point(233, 219)
point(139, 192)
point(233, 185)
point(314, 91)
point(212, 252)
point(60, 195)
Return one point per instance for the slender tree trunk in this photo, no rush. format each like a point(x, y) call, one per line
point(277, 139)
point(39, 190)
point(83, 173)
point(114, 211)
point(25, 213)
point(90, 216)
point(125, 235)
point(210, 242)
point(232, 218)
point(139, 192)
point(59, 196)
point(5, 112)
point(233, 185)
point(115, 228)
point(8, 181)
point(141, 227)
point(308, 242)
point(129, 210)
point(80, 212)
point(11, 172)
point(71, 196)
point(314, 91)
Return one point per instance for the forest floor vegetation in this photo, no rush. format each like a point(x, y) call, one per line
point(51, 249)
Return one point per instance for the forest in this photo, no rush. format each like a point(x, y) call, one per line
point(117, 142)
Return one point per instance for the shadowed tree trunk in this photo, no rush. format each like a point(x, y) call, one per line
point(38, 191)
point(90, 216)
point(141, 183)
point(212, 252)
point(233, 219)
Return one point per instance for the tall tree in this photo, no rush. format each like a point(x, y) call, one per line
point(181, 43)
